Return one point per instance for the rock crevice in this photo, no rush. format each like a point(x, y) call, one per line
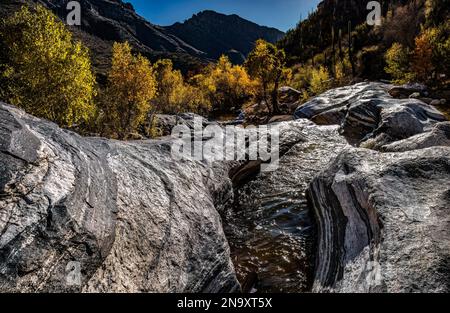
point(383, 222)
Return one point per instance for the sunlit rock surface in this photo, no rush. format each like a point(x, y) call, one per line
point(438, 135)
point(384, 222)
point(368, 116)
point(133, 219)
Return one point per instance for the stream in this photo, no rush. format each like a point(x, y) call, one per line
point(270, 228)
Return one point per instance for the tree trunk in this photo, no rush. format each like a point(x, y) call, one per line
point(275, 105)
point(265, 98)
point(341, 54)
point(350, 48)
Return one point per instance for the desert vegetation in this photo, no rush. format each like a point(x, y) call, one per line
point(43, 70)
point(410, 45)
point(50, 74)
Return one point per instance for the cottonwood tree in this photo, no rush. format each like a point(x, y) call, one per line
point(44, 71)
point(226, 86)
point(131, 86)
point(397, 60)
point(174, 94)
point(422, 60)
point(266, 63)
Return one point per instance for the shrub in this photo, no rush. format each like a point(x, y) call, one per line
point(44, 71)
point(431, 56)
point(422, 61)
point(371, 62)
point(320, 80)
point(441, 56)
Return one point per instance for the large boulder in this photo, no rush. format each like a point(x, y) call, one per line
point(383, 222)
point(166, 122)
point(121, 216)
point(407, 90)
point(368, 116)
point(439, 135)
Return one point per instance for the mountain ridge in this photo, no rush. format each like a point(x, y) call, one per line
point(217, 33)
point(106, 21)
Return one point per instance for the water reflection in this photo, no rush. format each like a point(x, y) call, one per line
point(270, 229)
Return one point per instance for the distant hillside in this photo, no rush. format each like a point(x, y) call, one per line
point(314, 34)
point(190, 45)
point(218, 34)
point(325, 32)
point(106, 21)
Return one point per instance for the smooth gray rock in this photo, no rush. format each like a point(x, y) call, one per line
point(288, 94)
point(280, 118)
point(166, 122)
point(406, 90)
point(331, 117)
point(134, 219)
point(435, 102)
point(439, 135)
point(384, 222)
point(368, 116)
point(334, 99)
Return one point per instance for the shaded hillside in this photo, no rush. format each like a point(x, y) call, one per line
point(315, 33)
point(190, 45)
point(218, 34)
point(327, 33)
point(106, 21)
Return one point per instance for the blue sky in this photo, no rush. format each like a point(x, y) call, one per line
point(282, 14)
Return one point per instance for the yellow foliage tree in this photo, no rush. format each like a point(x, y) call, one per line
point(174, 95)
point(266, 63)
point(397, 60)
point(301, 76)
point(422, 60)
point(44, 70)
point(131, 86)
point(226, 86)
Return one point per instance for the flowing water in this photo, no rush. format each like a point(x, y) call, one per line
point(270, 229)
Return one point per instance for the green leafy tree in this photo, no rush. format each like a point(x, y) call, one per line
point(44, 70)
